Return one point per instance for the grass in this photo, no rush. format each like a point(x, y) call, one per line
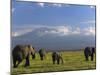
point(73, 60)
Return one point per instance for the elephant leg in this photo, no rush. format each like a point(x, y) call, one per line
point(14, 63)
point(53, 60)
point(19, 59)
point(58, 61)
point(92, 57)
point(27, 61)
point(19, 62)
point(42, 58)
point(86, 57)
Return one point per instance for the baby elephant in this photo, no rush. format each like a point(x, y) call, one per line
point(42, 54)
point(89, 52)
point(56, 57)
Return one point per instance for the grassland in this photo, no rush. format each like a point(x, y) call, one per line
point(73, 60)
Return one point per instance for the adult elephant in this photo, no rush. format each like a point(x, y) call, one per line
point(56, 57)
point(42, 54)
point(89, 52)
point(21, 52)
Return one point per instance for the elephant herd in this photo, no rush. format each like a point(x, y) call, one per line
point(21, 52)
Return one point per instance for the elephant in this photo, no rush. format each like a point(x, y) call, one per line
point(89, 52)
point(42, 54)
point(21, 52)
point(56, 57)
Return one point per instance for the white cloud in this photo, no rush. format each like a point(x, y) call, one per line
point(41, 30)
point(15, 34)
point(57, 4)
point(21, 32)
point(89, 31)
point(41, 4)
point(76, 31)
point(60, 30)
point(65, 31)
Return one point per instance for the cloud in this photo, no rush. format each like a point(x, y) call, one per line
point(43, 30)
point(53, 4)
point(63, 30)
point(76, 31)
point(67, 31)
point(57, 4)
point(56, 31)
point(40, 4)
point(89, 31)
point(21, 32)
point(15, 34)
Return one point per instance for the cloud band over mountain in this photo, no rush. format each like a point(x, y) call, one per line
point(54, 31)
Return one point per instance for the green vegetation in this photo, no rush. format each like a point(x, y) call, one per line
point(73, 60)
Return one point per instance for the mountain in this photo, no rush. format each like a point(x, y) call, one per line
point(53, 42)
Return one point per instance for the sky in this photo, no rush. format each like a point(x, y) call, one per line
point(53, 25)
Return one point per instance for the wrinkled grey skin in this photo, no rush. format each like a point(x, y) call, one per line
point(21, 52)
point(89, 52)
point(56, 57)
point(42, 54)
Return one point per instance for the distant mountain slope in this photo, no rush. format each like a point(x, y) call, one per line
point(53, 42)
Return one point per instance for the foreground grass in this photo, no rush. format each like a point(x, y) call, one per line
point(73, 60)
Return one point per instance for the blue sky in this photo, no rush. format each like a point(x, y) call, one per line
point(52, 21)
